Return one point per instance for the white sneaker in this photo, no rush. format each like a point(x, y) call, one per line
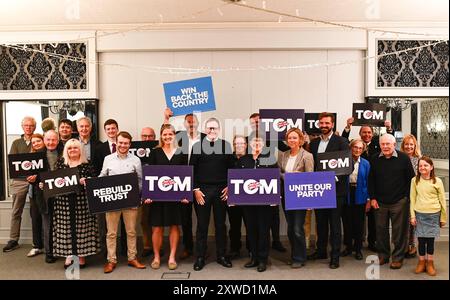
point(34, 252)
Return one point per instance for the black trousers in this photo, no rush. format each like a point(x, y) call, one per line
point(235, 216)
point(353, 216)
point(212, 200)
point(258, 218)
point(275, 226)
point(36, 224)
point(329, 226)
point(186, 226)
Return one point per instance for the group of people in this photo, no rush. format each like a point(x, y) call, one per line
point(386, 185)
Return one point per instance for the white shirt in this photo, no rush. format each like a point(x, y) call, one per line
point(324, 140)
point(191, 143)
point(111, 147)
point(354, 176)
point(290, 164)
point(114, 165)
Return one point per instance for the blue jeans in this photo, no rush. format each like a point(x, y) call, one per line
point(296, 234)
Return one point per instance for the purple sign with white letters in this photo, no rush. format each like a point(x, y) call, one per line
point(275, 122)
point(167, 182)
point(310, 190)
point(254, 186)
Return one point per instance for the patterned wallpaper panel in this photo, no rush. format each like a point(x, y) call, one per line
point(28, 70)
point(432, 111)
point(424, 67)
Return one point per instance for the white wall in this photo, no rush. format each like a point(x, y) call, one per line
point(135, 98)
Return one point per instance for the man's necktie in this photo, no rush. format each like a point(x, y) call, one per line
point(113, 147)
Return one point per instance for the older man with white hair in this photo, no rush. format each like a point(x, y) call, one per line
point(389, 181)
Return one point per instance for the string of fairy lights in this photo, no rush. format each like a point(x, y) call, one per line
point(436, 39)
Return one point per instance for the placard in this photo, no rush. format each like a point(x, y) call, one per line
point(275, 122)
point(340, 162)
point(25, 164)
point(369, 114)
point(60, 182)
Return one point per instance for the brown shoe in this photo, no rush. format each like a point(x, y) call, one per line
point(134, 263)
point(383, 261)
point(430, 268)
point(420, 267)
point(185, 254)
point(109, 267)
point(395, 265)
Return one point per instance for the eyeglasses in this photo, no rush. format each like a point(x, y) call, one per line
point(147, 135)
point(212, 128)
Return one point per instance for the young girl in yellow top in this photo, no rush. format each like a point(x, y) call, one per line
point(428, 212)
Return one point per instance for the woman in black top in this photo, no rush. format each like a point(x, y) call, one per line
point(166, 213)
point(258, 217)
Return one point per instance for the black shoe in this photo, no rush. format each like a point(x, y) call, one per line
point(278, 246)
point(224, 261)
point(373, 248)
point(251, 264)
point(346, 252)
point(199, 263)
point(147, 252)
point(359, 255)
point(334, 264)
point(261, 267)
point(12, 245)
point(50, 259)
point(317, 255)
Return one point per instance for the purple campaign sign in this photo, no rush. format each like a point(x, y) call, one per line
point(310, 190)
point(254, 186)
point(275, 122)
point(167, 182)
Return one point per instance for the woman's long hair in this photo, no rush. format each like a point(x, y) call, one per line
point(163, 127)
point(416, 145)
point(432, 174)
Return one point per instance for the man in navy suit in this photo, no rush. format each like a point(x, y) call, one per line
point(329, 142)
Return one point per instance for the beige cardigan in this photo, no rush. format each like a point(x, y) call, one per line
point(303, 163)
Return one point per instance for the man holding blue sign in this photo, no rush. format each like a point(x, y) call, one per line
point(331, 217)
point(186, 96)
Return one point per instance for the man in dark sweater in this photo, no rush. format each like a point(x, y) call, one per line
point(389, 183)
point(211, 159)
point(373, 147)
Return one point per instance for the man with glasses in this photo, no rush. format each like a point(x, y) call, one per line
point(19, 187)
point(211, 159)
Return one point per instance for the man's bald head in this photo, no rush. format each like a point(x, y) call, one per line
point(148, 134)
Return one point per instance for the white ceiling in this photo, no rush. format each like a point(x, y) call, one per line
point(29, 13)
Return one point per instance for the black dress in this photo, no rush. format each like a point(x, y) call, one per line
point(166, 213)
point(75, 230)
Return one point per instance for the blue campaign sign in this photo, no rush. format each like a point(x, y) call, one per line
point(188, 96)
point(310, 190)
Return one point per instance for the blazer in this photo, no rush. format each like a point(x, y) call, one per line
point(336, 143)
point(303, 163)
point(362, 184)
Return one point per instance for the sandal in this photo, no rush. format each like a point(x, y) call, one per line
point(155, 264)
point(172, 265)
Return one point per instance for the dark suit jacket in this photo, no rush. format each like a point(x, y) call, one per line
point(336, 143)
point(101, 151)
